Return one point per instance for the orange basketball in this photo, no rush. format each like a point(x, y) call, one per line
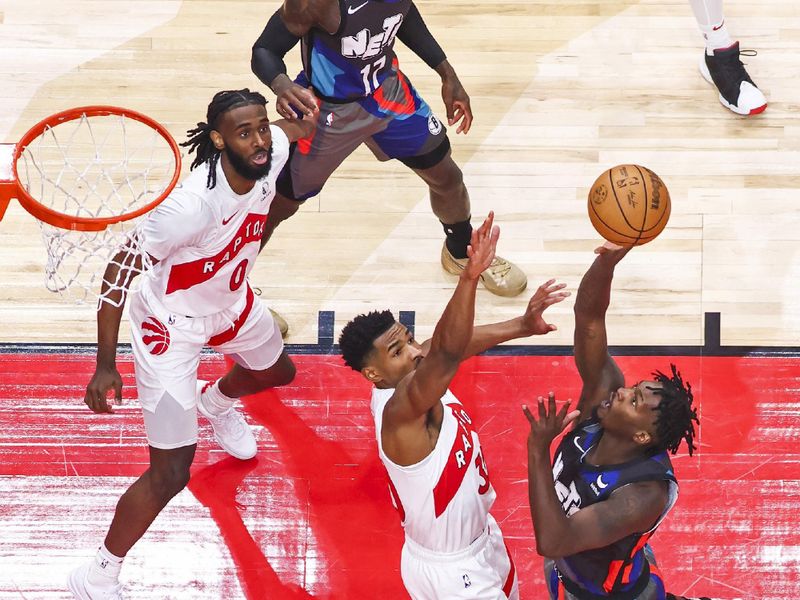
point(629, 205)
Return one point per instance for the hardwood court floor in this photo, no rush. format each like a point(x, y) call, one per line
point(561, 91)
point(310, 517)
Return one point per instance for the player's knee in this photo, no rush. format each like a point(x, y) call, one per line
point(281, 373)
point(449, 180)
point(167, 481)
point(285, 374)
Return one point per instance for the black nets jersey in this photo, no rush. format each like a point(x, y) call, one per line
point(353, 62)
point(617, 568)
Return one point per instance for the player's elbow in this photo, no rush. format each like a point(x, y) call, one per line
point(256, 58)
point(550, 549)
point(544, 549)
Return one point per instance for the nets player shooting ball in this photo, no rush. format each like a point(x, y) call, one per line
point(351, 69)
point(427, 441)
point(614, 482)
point(203, 240)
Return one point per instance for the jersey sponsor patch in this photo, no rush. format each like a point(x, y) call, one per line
point(157, 341)
point(434, 125)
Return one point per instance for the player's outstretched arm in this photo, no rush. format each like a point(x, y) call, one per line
point(415, 34)
point(283, 31)
point(598, 371)
point(423, 387)
point(631, 509)
point(116, 282)
point(530, 323)
point(296, 129)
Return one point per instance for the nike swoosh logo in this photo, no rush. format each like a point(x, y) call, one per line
point(351, 10)
point(228, 220)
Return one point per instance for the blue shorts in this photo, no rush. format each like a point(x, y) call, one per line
point(394, 122)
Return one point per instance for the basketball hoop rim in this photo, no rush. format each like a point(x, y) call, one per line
point(64, 221)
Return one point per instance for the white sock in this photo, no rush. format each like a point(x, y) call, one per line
point(712, 24)
point(214, 401)
point(104, 571)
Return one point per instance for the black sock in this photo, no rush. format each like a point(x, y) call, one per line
point(458, 235)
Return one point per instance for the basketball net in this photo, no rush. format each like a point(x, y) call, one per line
point(90, 179)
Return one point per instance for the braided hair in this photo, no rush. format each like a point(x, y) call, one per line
point(200, 137)
point(359, 335)
point(676, 417)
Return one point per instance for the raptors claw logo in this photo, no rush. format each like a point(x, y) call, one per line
point(158, 341)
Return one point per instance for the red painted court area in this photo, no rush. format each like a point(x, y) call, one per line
point(310, 517)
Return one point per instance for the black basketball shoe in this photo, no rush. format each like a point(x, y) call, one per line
point(736, 90)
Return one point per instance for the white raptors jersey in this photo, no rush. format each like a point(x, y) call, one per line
point(207, 240)
point(444, 499)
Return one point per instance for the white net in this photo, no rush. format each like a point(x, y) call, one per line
point(95, 167)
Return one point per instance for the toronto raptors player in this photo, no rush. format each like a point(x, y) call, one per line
point(428, 442)
point(203, 240)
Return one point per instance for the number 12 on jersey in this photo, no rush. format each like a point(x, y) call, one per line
point(371, 72)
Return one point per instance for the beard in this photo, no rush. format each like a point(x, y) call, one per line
point(247, 170)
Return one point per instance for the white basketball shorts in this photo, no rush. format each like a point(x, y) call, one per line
point(483, 570)
point(167, 346)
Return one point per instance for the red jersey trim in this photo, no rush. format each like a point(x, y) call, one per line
point(229, 334)
point(458, 461)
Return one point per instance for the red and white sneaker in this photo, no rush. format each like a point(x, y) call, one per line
point(231, 431)
point(83, 590)
point(737, 92)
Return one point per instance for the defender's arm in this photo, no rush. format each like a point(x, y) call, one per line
point(419, 391)
point(283, 31)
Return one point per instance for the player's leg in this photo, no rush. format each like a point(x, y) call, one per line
point(172, 436)
point(166, 382)
point(341, 128)
point(414, 136)
point(721, 65)
point(166, 376)
point(255, 345)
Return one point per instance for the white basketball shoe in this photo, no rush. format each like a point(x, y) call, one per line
point(737, 91)
point(231, 431)
point(80, 587)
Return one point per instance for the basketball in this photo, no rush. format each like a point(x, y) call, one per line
point(629, 205)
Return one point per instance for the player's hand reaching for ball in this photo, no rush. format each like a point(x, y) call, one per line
point(612, 251)
point(547, 294)
point(481, 249)
point(103, 380)
point(550, 424)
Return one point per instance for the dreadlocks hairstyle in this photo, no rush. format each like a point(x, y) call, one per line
point(200, 137)
point(358, 336)
point(676, 417)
